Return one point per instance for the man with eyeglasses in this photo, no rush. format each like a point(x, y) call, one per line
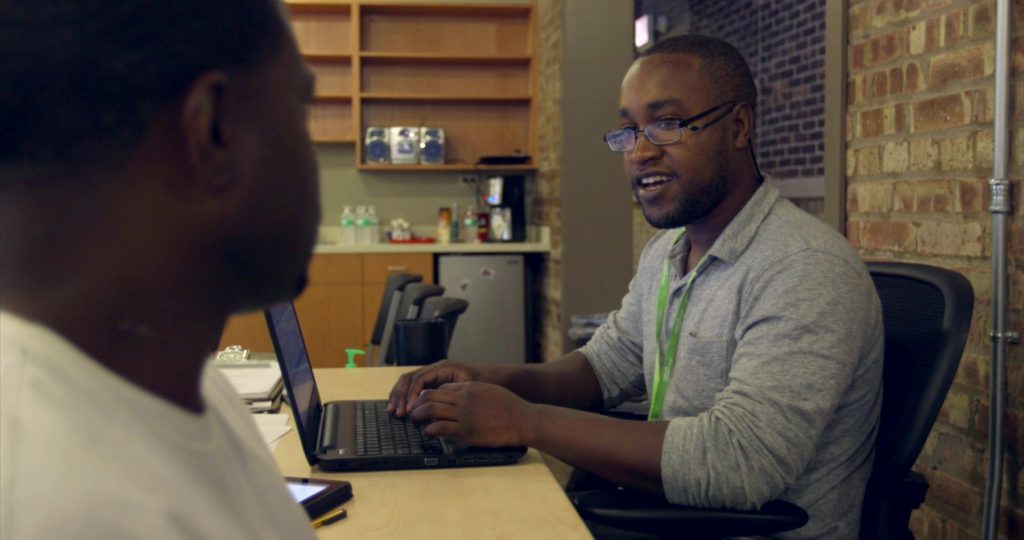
point(753, 329)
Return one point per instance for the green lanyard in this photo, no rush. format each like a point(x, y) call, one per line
point(665, 358)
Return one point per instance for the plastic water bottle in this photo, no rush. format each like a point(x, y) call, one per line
point(362, 227)
point(348, 227)
point(373, 224)
point(469, 225)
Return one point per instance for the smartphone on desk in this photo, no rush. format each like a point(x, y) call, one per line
point(318, 496)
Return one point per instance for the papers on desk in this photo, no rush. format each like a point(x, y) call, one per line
point(272, 427)
point(259, 384)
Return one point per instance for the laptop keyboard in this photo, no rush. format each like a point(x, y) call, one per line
point(381, 434)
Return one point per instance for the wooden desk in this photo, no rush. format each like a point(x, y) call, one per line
point(515, 501)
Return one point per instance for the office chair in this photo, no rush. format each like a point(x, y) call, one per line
point(926, 312)
point(408, 308)
point(387, 314)
point(447, 309)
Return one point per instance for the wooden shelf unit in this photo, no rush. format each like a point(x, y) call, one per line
point(469, 69)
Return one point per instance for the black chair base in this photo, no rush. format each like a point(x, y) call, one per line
point(634, 511)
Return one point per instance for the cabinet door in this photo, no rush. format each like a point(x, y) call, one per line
point(332, 320)
point(249, 331)
point(378, 266)
point(330, 311)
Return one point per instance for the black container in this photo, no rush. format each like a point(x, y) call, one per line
point(420, 342)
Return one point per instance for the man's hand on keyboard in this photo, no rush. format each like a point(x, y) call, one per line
point(475, 414)
point(409, 385)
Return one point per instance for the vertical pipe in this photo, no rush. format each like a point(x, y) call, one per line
point(1000, 209)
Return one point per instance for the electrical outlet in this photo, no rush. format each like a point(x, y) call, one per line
point(468, 179)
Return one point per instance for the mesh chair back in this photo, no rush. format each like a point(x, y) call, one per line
point(926, 312)
point(395, 282)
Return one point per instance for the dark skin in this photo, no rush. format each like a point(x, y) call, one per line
point(545, 405)
point(127, 262)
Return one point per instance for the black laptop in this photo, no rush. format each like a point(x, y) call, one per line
point(359, 435)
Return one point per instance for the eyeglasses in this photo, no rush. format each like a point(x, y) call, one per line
point(662, 132)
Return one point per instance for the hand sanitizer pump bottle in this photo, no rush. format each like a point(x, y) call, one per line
point(351, 354)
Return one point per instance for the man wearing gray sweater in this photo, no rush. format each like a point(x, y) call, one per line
point(753, 329)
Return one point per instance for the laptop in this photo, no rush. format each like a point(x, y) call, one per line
point(360, 435)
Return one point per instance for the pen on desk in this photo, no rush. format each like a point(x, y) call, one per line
point(327, 519)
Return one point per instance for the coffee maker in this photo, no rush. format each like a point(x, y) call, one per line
point(506, 198)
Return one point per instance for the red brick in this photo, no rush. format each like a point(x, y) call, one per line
point(853, 227)
point(857, 61)
point(872, 123)
point(896, 80)
point(953, 26)
point(946, 491)
point(932, 34)
point(900, 117)
point(939, 113)
point(1018, 54)
point(956, 66)
point(879, 84)
point(890, 46)
point(973, 372)
point(884, 235)
point(982, 105)
point(982, 20)
point(971, 198)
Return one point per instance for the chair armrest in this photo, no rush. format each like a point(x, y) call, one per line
point(633, 511)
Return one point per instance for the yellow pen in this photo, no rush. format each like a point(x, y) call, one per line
point(327, 519)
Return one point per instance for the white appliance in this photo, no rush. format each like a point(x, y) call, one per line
point(405, 145)
point(493, 330)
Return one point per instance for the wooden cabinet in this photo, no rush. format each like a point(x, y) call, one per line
point(339, 307)
point(469, 69)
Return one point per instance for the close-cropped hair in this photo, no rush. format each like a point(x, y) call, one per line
point(82, 80)
point(724, 66)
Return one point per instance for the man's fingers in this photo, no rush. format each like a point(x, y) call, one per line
point(423, 379)
point(396, 399)
point(443, 428)
point(433, 412)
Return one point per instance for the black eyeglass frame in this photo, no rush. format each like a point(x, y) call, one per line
point(683, 123)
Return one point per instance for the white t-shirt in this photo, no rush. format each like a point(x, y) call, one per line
point(86, 454)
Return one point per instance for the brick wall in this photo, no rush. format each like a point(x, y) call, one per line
point(546, 203)
point(919, 134)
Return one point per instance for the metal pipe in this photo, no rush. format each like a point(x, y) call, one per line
point(1000, 208)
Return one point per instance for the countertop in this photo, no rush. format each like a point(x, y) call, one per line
point(538, 241)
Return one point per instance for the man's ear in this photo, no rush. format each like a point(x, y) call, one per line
point(743, 125)
point(207, 137)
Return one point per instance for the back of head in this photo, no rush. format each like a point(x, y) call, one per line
point(83, 79)
point(722, 63)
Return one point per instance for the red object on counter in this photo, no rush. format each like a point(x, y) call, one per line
point(413, 241)
point(483, 226)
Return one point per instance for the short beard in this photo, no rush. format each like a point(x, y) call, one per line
point(691, 209)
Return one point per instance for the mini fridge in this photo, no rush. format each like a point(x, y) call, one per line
point(494, 328)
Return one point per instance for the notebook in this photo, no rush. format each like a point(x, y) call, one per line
point(341, 435)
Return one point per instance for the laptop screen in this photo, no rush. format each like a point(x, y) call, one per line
point(297, 372)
